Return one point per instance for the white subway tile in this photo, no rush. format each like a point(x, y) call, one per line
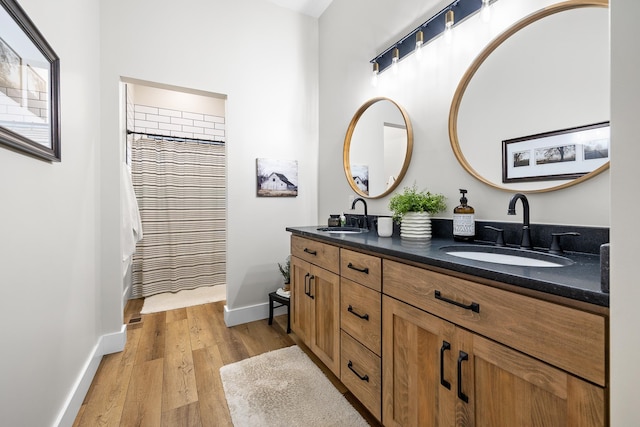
point(145, 109)
point(214, 132)
point(169, 126)
point(192, 129)
point(170, 113)
point(182, 134)
point(146, 124)
point(192, 116)
point(220, 126)
point(159, 119)
point(203, 136)
point(214, 119)
point(201, 124)
point(178, 121)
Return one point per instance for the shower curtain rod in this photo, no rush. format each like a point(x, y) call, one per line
point(175, 138)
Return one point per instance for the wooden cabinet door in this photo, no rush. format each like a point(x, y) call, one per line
point(513, 389)
point(418, 367)
point(325, 332)
point(301, 303)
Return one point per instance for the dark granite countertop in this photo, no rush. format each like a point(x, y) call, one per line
point(579, 281)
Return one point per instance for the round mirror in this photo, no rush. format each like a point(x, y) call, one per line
point(531, 113)
point(377, 148)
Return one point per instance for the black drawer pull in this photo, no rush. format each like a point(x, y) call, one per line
point(363, 378)
point(445, 346)
point(306, 285)
point(463, 356)
point(312, 277)
point(310, 252)
point(474, 306)
point(352, 311)
point(361, 270)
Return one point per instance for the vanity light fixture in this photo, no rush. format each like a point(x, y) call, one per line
point(419, 43)
point(374, 74)
point(394, 60)
point(429, 30)
point(449, 19)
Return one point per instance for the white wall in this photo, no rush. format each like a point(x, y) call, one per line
point(264, 59)
point(49, 276)
point(625, 289)
point(425, 90)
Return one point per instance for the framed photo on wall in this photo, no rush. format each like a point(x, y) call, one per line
point(276, 178)
point(557, 155)
point(29, 86)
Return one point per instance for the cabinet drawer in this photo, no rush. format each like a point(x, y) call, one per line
point(360, 313)
point(360, 373)
point(565, 337)
point(320, 254)
point(361, 268)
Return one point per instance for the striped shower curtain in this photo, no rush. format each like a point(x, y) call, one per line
point(180, 187)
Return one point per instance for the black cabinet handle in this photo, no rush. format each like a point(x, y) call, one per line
point(361, 270)
point(352, 311)
point(363, 378)
point(310, 252)
point(306, 278)
point(475, 307)
point(445, 346)
point(312, 277)
point(463, 356)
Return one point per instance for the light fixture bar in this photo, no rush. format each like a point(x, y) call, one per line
point(430, 29)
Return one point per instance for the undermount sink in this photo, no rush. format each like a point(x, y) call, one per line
point(507, 256)
point(343, 230)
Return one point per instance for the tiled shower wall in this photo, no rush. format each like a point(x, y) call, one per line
point(178, 123)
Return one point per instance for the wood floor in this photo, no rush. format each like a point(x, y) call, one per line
point(168, 373)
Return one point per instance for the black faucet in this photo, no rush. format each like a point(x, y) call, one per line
point(366, 218)
point(526, 231)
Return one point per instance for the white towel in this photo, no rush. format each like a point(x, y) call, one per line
point(390, 181)
point(131, 225)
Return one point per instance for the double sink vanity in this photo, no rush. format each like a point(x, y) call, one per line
point(441, 333)
point(424, 336)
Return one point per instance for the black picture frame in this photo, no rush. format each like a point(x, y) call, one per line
point(29, 86)
point(563, 154)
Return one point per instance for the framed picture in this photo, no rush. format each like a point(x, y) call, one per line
point(29, 86)
point(561, 154)
point(277, 178)
point(361, 177)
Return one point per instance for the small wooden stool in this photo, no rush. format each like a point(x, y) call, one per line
point(275, 298)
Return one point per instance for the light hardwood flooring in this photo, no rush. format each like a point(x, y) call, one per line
point(168, 373)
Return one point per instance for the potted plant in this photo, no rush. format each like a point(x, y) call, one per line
point(285, 270)
point(412, 209)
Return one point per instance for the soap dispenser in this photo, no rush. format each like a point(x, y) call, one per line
point(464, 225)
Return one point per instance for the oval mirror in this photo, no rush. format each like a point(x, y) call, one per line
point(377, 148)
point(529, 98)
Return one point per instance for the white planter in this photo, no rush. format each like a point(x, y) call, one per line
point(416, 225)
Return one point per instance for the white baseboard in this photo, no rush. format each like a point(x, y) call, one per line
point(250, 313)
point(107, 344)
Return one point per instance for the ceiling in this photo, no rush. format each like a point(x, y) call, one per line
point(308, 7)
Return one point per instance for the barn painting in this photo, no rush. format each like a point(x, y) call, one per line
point(277, 178)
point(361, 177)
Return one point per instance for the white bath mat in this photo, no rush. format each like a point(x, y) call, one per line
point(284, 388)
point(180, 299)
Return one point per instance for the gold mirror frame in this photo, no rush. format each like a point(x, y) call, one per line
point(466, 79)
point(347, 146)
